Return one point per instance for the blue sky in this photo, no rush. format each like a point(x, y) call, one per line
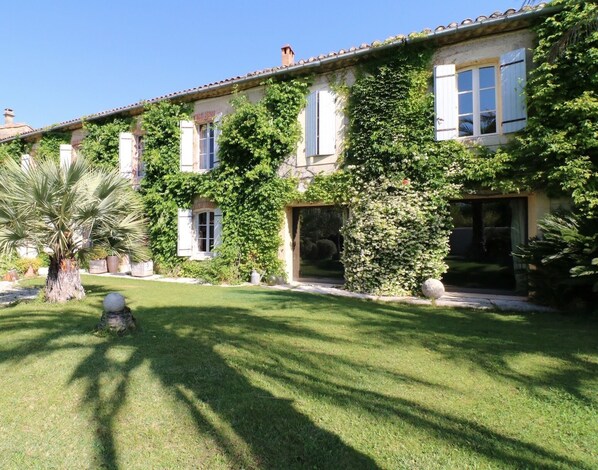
point(63, 59)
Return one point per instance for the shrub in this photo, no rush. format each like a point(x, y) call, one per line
point(22, 265)
point(326, 248)
point(395, 238)
point(7, 262)
point(308, 249)
point(564, 262)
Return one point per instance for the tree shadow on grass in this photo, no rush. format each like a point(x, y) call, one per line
point(183, 347)
point(489, 341)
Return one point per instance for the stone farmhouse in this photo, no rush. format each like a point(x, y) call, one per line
point(480, 69)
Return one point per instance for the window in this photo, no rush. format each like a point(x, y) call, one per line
point(140, 147)
point(320, 124)
point(467, 101)
point(199, 144)
point(207, 148)
point(476, 88)
point(204, 229)
point(199, 231)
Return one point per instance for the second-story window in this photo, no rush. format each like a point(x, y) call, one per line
point(139, 146)
point(477, 101)
point(206, 146)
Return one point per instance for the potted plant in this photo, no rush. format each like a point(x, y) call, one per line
point(142, 268)
point(97, 261)
point(112, 261)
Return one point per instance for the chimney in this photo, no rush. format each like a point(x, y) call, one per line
point(9, 115)
point(288, 56)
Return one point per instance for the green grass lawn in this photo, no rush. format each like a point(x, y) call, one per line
point(260, 378)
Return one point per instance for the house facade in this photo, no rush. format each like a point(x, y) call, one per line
point(480, 69)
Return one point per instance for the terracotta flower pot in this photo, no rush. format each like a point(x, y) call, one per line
point(112, 262)
point(97, 266)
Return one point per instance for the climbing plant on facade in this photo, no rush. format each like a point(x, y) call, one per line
point(13, 150)
point(255, 141)
point(100, 145)
point(402, 178)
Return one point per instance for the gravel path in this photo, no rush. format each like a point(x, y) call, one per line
point(11, 292)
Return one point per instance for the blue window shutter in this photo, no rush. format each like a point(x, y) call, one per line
point(445, 102)
point(311, 125)
point(185, 232)
point(512, 80)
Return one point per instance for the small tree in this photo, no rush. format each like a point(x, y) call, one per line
point(66, 211)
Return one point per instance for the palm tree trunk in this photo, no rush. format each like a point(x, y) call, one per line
point(63, 282)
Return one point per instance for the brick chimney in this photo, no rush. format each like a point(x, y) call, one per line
point(9, 116)
point(288, 55)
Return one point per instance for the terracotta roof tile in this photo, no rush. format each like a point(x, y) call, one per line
point(301, 62)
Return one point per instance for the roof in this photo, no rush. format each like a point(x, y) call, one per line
point(508, 20)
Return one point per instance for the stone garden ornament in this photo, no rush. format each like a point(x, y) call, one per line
point(117, 317)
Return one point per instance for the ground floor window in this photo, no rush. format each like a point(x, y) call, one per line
point(485, 234)
point(205, 231)
point(318, 242)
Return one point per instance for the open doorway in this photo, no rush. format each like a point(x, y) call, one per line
point(485, 233)
point(318, 243)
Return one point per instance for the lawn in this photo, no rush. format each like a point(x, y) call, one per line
point(260, 378)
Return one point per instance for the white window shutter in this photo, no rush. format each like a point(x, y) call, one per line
point(512, 81)
point(217, 227)
point(66, 155)
point(185, 232)
point(311, 125)
point(446, 102)
point(125, 154)
point(327, 123)
point(187, 134)
point(25, 162)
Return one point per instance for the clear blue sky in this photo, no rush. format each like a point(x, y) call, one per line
point(63, 59)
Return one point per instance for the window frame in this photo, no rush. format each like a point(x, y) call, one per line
point(204, 162)
point(210, 233)
point(475, 68)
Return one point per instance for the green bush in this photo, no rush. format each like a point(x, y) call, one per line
point(22, 265)
point(564, 263)
point(395, 239)
point(7, 262)
point(326, 248)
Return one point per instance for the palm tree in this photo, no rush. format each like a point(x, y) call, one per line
point(65, 211)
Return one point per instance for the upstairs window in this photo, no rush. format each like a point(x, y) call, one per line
point(466, 101)
point(199, 144)
point(476, 88)
point(207, 147)
point(140, 147)
point(320, 124)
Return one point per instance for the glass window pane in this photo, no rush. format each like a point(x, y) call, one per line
point(487, 100)
point(202, 218)
point(487, 77)
point(465, 80)
point(488, 123)
point(466, 103)
point(466, 125)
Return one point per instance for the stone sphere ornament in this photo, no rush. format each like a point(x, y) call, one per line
point(433, 289)
point(117, 317)
point(114, 302)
